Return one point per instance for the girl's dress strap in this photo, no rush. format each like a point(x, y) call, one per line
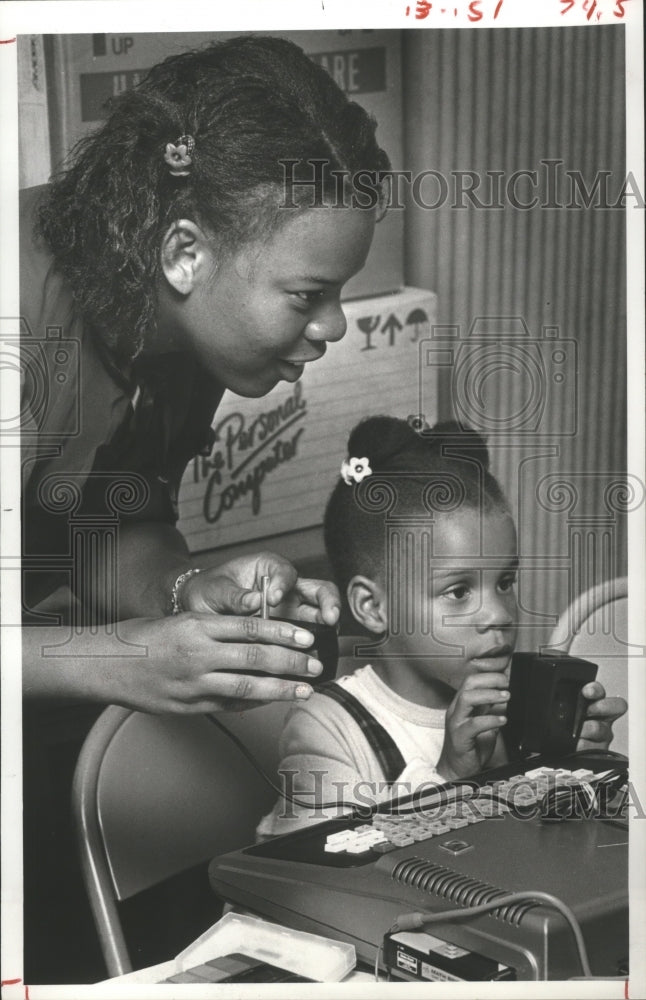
point(381, 742)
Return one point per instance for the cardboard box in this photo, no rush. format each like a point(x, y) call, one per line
point(276, 459)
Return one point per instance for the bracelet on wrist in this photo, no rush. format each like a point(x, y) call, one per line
point(176, 593)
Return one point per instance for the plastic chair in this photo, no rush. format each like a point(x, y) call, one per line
point(595, 627)
point(155, 795)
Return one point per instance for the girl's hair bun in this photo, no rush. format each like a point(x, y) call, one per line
point(380, 439)
point(447, 463)
point(451, 433)
point(390, 443)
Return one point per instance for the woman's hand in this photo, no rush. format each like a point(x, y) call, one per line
point(235, 588)
point(601, 712)
point(182, 663)
point(473, 721)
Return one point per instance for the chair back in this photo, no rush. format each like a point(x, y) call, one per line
point(595, 627)
point(154, 795)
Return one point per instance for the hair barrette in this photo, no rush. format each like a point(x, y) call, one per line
point(353, 470)
point(418, 423)
point(179, 155)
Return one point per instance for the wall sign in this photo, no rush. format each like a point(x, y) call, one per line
point(356, 71)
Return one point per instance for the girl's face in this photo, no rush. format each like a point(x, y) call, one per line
point(271, 308)
point(467, 620)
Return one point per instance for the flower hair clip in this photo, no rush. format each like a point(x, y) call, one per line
point(418, 423)
point(179, 155)
point(353, 470)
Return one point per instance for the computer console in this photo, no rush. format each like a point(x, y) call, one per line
point(549, 824)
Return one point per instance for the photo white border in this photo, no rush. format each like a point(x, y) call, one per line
point(56, 16)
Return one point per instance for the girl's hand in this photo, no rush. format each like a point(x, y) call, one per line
point(596, 732)
point(198, 662)
point(473, 720)
point(235, 588)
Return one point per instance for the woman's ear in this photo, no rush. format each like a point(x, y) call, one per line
point(367, 601)
point(185, 255)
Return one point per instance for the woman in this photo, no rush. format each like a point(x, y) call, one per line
point(176, 257)
point(198, 242)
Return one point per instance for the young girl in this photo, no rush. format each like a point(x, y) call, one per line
point(423, 545)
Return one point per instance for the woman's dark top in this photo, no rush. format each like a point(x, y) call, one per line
point(98, 448)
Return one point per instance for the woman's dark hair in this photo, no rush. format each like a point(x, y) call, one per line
point(413, 472)
point(249, 102)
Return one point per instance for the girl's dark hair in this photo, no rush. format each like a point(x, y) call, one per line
point(440, 470)
point(249, 102)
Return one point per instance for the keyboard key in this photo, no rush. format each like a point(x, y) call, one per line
point(341, 835)
point(386, 823)
point(360, 847)
point(402, 840)
point(419, 835)
point(376, 838)
point(538, 772)
point(456, 822)
point(385, 848)
point(366, 838)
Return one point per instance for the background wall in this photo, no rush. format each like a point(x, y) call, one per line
point(505, 101)
point(33, 107)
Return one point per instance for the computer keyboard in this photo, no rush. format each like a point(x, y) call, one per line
point(388, 831)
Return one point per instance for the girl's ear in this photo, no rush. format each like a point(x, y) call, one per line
point(367, 602)
point(185, 255)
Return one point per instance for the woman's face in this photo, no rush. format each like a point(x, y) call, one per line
point(257, 317)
